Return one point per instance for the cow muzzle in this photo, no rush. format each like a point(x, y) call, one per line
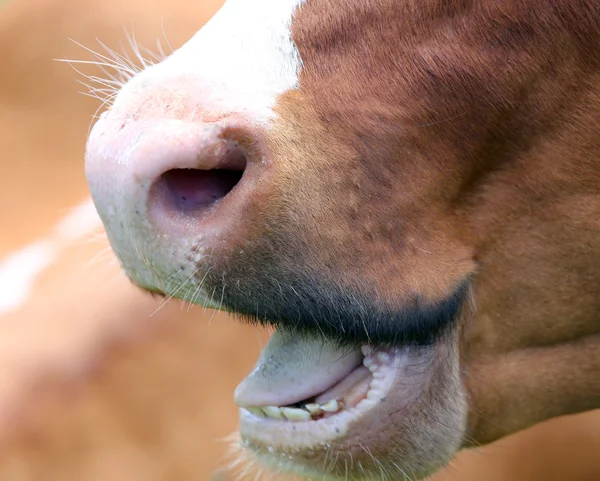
point(181, 182)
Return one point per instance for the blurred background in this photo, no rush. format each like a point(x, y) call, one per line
point(98, 381)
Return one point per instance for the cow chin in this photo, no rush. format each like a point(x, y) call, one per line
point(409, 423)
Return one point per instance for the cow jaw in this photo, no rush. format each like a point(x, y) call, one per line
point(314, 407)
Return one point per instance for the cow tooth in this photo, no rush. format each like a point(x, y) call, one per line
point(256, 411)
point(383, 357)
point(273, 412)
point(373, 393)
point(294, 414)
point(314, 409)
point(331, 406)
point(366, 350)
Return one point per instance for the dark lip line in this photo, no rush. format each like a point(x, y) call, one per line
point(446, 317)
point(394, 339)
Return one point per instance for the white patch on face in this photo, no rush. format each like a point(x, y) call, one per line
point(20, 270)
point(240, 61)
point(247, 47)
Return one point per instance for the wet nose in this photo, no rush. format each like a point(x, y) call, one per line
point(169, 178)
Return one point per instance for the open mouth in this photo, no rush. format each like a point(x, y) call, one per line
point(362, 383)
point(305, 393)
point(313, 408)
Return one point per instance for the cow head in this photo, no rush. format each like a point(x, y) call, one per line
point(408, 191)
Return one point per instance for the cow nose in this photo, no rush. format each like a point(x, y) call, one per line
point(160, 183)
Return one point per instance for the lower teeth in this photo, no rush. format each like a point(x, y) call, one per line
point(314, 411)
point(306, 413)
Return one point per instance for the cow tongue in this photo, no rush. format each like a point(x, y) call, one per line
point(294, 367)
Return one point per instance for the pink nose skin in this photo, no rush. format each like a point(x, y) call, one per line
point(165, 186)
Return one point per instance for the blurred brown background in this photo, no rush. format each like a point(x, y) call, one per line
point(92, 386)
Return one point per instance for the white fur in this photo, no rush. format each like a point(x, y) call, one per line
point(247, 47)
point(240, 61)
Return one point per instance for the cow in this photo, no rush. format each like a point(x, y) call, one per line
point(409, 192)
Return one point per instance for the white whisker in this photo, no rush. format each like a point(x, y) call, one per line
point(162, 27)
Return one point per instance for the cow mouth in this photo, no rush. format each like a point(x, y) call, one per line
point(291, 406)
point(363, 382)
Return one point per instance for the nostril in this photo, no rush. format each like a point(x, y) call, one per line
point(189, 193)
point(189, 190)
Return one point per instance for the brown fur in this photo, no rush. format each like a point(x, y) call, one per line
point(462, 138)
